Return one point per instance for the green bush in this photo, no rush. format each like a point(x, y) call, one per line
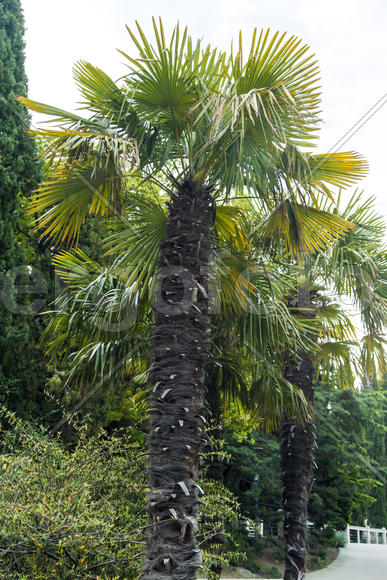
point(80, 512)
point(220, 543)
point(253, 566)
point(71, 514)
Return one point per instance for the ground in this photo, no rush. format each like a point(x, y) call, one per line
point(356, 562)
point(271, 560)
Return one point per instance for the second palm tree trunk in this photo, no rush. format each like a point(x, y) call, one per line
point(297, 455)
point(177, 416)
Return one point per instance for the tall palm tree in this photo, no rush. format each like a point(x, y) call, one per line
point(249, 328)
point(201, 126)
point(354, 267)
point(97, 300)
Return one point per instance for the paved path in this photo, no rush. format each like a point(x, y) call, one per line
point(356, 562)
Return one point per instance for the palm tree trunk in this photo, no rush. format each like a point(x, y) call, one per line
point(180, 352)
point(297, 444)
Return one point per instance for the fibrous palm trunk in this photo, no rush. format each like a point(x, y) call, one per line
point(180, 352)
point(297, 456)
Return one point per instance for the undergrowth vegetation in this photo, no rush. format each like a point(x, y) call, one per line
point(79, 511)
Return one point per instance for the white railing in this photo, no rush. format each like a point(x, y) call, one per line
point(366, 535)
point(355, 534)
point(254, 529)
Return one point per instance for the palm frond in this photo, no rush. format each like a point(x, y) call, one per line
point(336, 363)
point(302, 230)
point(76, 269)
point(165, 77)
point(231, 227)
point(74, 192)
point(271, 396)
point(99, 326)
point(340, 169)
point(136, 246)
point(355, 266)
point(335, 323)
point(101, 93)
point(274, 93)
point(59, 115)
point(373, 356)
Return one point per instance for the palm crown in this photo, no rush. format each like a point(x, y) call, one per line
point(184, 111)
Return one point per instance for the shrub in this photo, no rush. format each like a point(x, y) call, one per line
point(70, 514)
point(80, 512)
point(220, 543)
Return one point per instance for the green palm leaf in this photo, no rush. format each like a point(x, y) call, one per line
point(340, 169)
point(273, 94)
point(336, 363)
point(302, 230)
point(271, 396)
point(71, 194)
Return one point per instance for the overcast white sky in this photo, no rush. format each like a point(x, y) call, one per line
point(348, 36)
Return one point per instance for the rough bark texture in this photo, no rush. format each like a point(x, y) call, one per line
point(297, 456)
point(180, 352)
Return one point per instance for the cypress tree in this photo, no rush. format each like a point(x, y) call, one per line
point(22, 369)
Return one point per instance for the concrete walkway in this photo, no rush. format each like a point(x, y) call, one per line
point(356, 562)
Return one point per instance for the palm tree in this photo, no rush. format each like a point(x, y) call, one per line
point(200, 126)
point(98, 300)
point(354, 267)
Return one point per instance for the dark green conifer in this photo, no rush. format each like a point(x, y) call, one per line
point(22, 370)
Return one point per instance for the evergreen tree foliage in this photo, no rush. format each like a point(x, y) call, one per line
point(18, 171)
point(251, 471)
point(375, 399)
point(23, 371)
point(349, 485)
point(351, 470)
